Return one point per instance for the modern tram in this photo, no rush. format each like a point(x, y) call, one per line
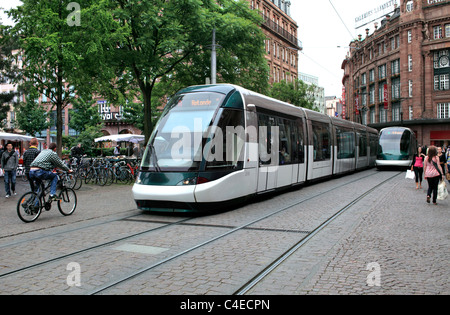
point(217, 145)
point(397, 147)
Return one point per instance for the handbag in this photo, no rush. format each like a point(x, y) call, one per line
point(442, 191)
point(410, 175)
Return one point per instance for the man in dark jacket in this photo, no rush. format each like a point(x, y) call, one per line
point(28, 158)
point(9, 163)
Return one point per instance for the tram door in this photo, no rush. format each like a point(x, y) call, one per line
point(268, 153)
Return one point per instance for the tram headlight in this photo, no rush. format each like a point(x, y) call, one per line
point(193, 181)
point(188, 181)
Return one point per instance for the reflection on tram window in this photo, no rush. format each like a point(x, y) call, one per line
point(177, 141)
point(225, 150)
point(321, 141)
point(345, 143)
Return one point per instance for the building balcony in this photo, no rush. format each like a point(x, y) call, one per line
point(277, 29)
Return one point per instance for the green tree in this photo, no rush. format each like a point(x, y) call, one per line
point(52, 50)
point(8, 71)
point(296, 93)
point(84, 114)
point(31, 116)
point(143, 41)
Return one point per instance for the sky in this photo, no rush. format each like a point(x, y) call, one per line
point(320, 30)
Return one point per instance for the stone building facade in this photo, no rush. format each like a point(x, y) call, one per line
point(399, 74)
point(281, 44)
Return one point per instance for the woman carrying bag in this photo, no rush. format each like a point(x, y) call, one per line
point(433, 173)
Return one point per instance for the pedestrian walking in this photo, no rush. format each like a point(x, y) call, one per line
point(447, 155)
point(433, 173)
point(418, 167)
point(9, 163)
point(28, 158)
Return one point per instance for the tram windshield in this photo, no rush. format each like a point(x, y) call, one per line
point(395, 142)
point(176, 142)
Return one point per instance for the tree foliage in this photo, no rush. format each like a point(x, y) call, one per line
point(142, 42)
point(52, 53)
point(296, 93)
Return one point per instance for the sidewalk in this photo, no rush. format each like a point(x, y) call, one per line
point(392, 236)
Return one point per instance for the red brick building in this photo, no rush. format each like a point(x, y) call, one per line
point(399, 75)
point(282, 44)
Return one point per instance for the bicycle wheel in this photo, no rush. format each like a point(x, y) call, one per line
point(70, 181)
point(29, 207)
point(68, 202)
point(102, 176)
point(78, 183)
point(89, 176)
point(109, 177)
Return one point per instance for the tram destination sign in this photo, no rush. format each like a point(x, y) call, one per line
point(375, 13)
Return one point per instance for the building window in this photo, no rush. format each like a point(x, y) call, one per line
point(410, 63)
point(410, 88)
point(396, 88)
point(396, 112)
point(381, 92)
point(437, 32)
point(409, 36)
point(443, 110)
point(372, 115)
point(395, 67)
point(383, 114)
point(363, 79)
point(372, 94)
point(411, 113)
point(371, 75)
point(441, 82)
point(409, 6)
point(382, 72)
point(447, 30)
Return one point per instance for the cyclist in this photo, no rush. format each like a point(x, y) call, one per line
point(42, 167)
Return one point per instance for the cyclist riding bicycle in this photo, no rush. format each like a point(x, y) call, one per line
point(42, 166)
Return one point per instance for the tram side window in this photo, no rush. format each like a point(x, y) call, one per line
point(298, 145)
point(321, 141)
point(285, 141)
point(362, 144)
point(345, 143)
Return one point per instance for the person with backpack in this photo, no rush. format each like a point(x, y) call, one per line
point(9, 163)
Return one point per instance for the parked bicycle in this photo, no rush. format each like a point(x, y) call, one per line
point(30, 205)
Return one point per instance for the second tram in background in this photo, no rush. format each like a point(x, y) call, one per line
point(397, 146)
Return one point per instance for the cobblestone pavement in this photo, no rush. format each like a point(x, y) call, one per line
point(392, 230)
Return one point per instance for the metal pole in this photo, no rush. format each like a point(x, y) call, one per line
point(213, 59)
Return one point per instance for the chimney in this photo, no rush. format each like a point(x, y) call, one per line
point(367, 32)
point(376, 25)
point(359, 37)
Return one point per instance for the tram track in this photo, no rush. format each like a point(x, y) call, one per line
point(233, 229)
point(277, 262)
point(245, 226)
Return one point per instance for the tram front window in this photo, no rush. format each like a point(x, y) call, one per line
point(176, 142)
point(395, 143)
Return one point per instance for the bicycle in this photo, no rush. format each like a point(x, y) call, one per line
point(30, 205)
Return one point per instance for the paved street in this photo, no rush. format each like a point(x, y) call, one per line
point(388, 241)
